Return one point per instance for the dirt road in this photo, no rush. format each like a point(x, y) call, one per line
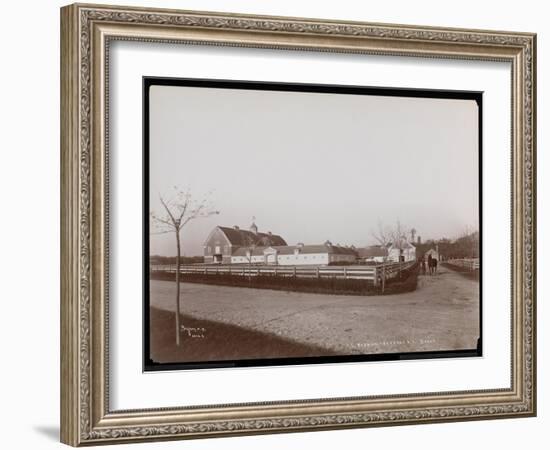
point(442, 314)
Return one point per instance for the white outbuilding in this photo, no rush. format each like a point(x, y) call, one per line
point(401, 250)
point(294, 255)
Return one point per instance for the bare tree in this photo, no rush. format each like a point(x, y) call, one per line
point(395, 235)
point(467, 243)
point(383, 235)
point(178, 212)
point(399, 237)
point(399, 241)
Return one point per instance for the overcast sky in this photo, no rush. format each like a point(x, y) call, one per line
point(312, 166)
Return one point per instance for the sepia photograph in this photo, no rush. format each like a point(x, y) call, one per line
point(289, 223)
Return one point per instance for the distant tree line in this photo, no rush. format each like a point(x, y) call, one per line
point(466, 246)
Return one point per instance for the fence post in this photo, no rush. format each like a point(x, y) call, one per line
point(294, 271)
point(383, 277)
point(345, 273)
point(375, 276)
point(318, 275)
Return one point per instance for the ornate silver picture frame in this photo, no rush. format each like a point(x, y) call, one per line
point(87, 35)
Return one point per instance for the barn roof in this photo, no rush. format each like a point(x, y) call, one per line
point(372, 251)
point(317, 248)
point(404, 245)
point(240, 237)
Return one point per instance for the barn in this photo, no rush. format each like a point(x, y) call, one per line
point(223, 242)
point(226, 245)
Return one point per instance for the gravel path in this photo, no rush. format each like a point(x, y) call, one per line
point(442, 314)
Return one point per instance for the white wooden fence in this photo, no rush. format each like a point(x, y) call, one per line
point(376, 273)
point(468, 263)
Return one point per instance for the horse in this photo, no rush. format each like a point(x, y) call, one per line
point(432, 264)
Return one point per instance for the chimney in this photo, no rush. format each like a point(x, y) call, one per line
point(419, 240)
point(236, 227)
point(269, 233)
point(328, 243)
point(300, 244)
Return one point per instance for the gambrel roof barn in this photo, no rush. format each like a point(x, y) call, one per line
point(239, 237)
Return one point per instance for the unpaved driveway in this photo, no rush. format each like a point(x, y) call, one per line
point(442, 314)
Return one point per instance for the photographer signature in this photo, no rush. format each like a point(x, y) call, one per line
point(194, 332)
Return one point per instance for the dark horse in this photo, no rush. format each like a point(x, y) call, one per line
point(432, 265)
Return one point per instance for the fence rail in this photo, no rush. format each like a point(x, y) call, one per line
point(468, 263)
point(376, 273)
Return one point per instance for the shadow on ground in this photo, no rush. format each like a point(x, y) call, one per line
point(206, 340)
point(49, 431)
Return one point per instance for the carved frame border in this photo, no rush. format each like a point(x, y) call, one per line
point(86, 31)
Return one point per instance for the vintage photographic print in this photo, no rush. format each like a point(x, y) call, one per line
point(304, 224)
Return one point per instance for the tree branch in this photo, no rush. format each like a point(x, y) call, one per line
point(163, 221)
point(167, 210)
point(155, 233)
